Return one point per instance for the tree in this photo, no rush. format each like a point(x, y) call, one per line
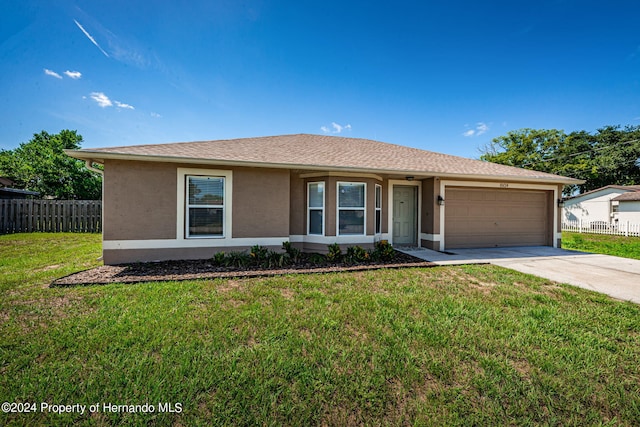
point(41, 165)
point(610, 156)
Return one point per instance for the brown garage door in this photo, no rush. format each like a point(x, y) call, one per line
point(484, 217)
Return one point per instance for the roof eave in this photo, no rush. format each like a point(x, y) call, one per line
point(100, 157)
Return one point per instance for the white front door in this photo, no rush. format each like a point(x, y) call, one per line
point(404, 215)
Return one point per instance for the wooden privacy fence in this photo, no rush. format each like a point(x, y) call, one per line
point(29, 215)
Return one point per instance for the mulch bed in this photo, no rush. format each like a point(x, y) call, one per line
point(205, 269)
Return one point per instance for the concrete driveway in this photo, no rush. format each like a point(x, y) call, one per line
point(614, 276)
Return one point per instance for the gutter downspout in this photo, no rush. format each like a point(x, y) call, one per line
point(88, 164)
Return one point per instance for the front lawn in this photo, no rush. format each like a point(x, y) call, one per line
point(627, 247)
point(470, 345)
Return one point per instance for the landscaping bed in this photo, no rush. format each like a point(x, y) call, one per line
point(212, 268)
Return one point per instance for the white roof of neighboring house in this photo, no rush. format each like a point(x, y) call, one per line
point(610, 189)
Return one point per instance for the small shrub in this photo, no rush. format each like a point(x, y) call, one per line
point(219, 259)
point(335, 253)
point(356, 255)
point(292, 252)
point(237, 259)
point(317, 259)
point(383, 251)
point(276, 259)
point(259, 255)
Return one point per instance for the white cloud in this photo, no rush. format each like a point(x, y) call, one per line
point(156, 115)
point(102, 99)
point(335, 128)
point(123, 105)
point(52, 73)
point(86, 33)
point(480, 129)
point(75, 75)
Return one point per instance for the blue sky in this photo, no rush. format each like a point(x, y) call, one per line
point(442, 76)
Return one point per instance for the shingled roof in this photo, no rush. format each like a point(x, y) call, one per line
point(628, 197)
point(318, 152)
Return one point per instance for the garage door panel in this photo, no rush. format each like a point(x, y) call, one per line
point(480, 217)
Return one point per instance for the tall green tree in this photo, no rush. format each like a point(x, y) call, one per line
point(41, 165)
point(608, 156)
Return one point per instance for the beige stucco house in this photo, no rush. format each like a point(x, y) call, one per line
point(190, 200)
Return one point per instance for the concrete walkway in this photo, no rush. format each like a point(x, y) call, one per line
point(614, 276)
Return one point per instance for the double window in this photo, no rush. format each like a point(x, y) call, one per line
point(351, 208)
point(205, 206)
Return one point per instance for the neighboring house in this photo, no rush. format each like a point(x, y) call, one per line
point(190, 200)
point(7, 192)
point(628, 207)
point(602, 206)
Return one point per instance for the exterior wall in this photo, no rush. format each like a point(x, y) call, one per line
point(297, 205)
point(260, 202)
point(142, 211)
point(430, 232)
point(592, 207)
point(559, 213)
point(125, 256)
point(385, 206)
point(629, 212)
point(139, 200)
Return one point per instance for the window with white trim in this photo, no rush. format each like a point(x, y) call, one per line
point(204, 205)
point(378, 209)
point(351, 208)
point(315, 208)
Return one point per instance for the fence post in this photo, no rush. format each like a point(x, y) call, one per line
point(580, 225)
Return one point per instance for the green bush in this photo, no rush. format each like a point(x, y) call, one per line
point(292, 252)
point(383, 251)
point(219, 259)
point(317, 259)
point(356, 255)
point(237, 259)
point(277, 259)
point(259, 255)
point(335, 253)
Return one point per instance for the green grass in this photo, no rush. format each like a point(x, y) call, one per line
point(627, 247)
point(471, 345)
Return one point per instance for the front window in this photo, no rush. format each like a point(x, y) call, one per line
point(205, 206)
point(378, 209)
point(351, 208)
point(315, 208)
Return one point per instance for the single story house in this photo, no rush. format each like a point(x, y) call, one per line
point(602, 205)
point(8, 192)
point(189, 200)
